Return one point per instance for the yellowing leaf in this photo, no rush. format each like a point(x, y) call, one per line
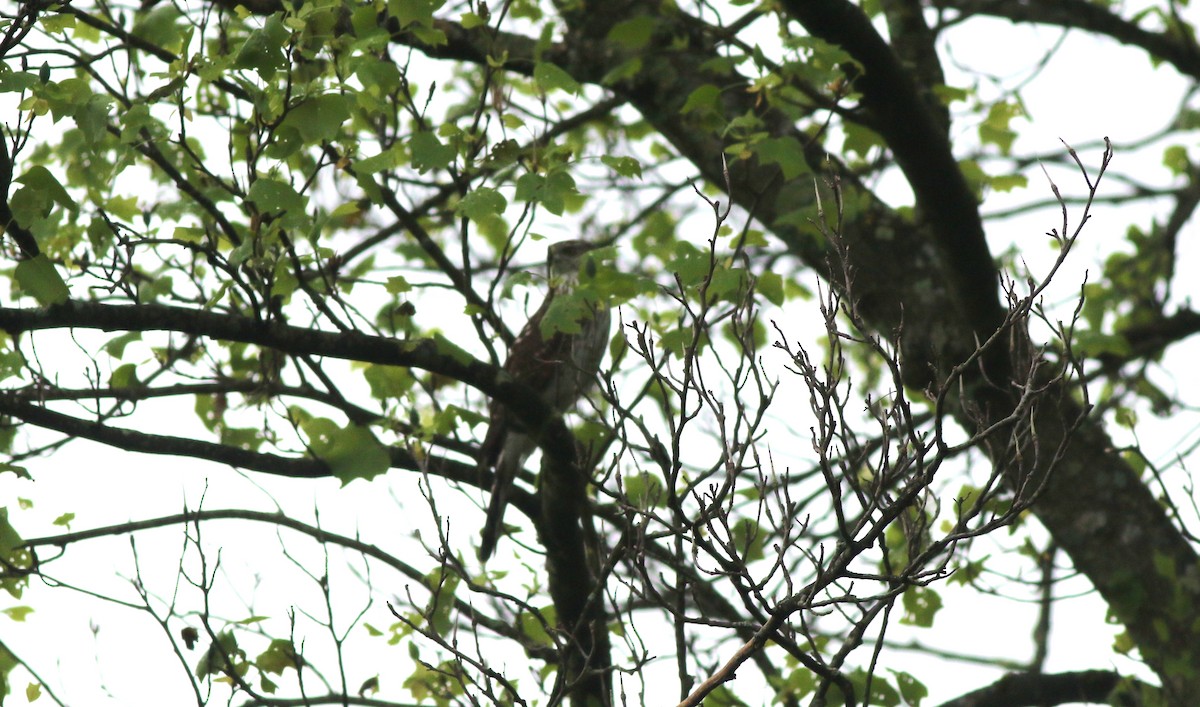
point(18, 613)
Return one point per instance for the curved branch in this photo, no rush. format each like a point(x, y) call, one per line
point(433, 355)
point(502, 628)
point(147, 443)
point(1089, 17)
point(296, 467)
point(1042, 690)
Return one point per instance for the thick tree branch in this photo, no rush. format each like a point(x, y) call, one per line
point(919, 141)
point(1043, 690)
point(1089, 17)
point(426, 354)
point(296, 467)
point(435, 356)
point(134, 441)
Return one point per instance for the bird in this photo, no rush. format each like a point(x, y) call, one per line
point(560, 365)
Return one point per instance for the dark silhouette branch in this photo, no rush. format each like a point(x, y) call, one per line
point(1043, 690)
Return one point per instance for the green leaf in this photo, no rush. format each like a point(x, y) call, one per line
point(39, 278)
point(787, 152)
point(123, 207)
point(860, 139)
point(398, 284)
point(624, 71)
point(557, 191)
point(995, 128)
point(9, 538)
point(1123, 643)
point(705, 99)
point(1175, 158)
point(533, 626)
point(273, 196)
point(387, 159)
point(728, 283)
point(378, 77)
point(689, 264)
point(18, 613)
point(64, 520)
point(565, 314)
point(92, 118)
point(750, 539)
point(624, 166)
point(351, 452)
point(1093, 342)
point(429, 153)
point(429, 36)
point(216, 660)
point(449, 348)
point(645, 490)
point(125, 377)
point(441, 607)
point(634, 33)
point(320, 119)
point(1008, 182)
point(529, 185)
point(278, 656)
point(408, 12)
point(549, 77)
point(41, 180)
point(950, 94)
point(911, 689)
point(482, 203)
point(8, 663)
point(12, 363)
point(18, 81)
point(160, 27)
point(388, 381)
point(57, 22)
point(882, 694)
point(770, 285)
point(921, 604)
point(263, 49)
point(116, 347)
point(554, 190)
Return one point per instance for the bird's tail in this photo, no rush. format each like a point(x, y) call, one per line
point(495, 513)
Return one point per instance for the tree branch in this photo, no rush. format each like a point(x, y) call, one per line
point(1088, 17)
point(1042, 690)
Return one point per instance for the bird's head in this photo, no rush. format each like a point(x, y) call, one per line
point(565, 258)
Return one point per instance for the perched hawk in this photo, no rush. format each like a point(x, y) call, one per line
point(560, 365)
